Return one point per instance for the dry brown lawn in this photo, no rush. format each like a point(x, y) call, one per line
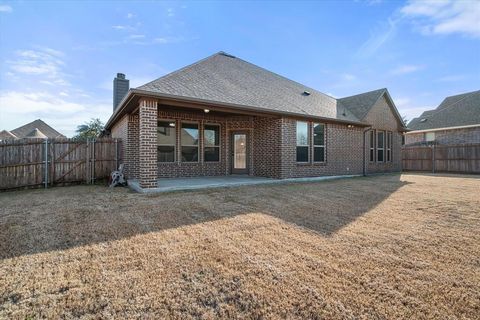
point(395, 246)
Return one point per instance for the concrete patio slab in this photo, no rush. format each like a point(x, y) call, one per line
point(195, 183)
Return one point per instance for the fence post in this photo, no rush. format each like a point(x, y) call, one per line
point(46, 164)
point(87, 163)
point(433, 158)
point(93, 164)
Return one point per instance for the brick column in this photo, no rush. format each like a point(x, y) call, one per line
point(148, 168)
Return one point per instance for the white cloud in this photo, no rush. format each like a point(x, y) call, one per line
point(451, 78)
point(381, 35)
point(444, 16)
point(170, 12)
point(5, 8)
point(348, 77)
point(64, 115)
point(45, 63)
point(130, 15)
point(413, 112)
point(404, 69)
point(402, 102)
point(136, 36)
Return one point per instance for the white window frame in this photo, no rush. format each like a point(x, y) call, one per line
point(169, 145)
point(319, 145)
point(372, 156)
point(389, 146)
point(429, 136)
point(219, 141)
point(187, 145)
point(383, 144)
point(301, 145)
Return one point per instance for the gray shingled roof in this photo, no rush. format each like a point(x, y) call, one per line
point(25, 130)
point(7, 135)
point(360, 104)
point(454, 111)
point(225, 78)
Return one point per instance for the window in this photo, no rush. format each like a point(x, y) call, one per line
point(166, 140)
point(302, 141)
point(318, 142)
point(372, 146)
point(211, 140)
point(429, 136)
point(189, 140)
point(389, 146)
point(380, 146)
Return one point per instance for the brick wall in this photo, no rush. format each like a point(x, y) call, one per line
point(455, 136)
point(344, 152)
point(203, 168)
point(272, 145)
point(148, 143)
point(382, 117)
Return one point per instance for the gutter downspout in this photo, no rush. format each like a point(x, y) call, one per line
point(364, 150)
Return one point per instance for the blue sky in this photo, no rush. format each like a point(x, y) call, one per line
point(58, 59)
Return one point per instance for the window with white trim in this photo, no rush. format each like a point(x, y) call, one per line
point(189, 141)
point(389, 146)
point(302, 141)
point(372, 146)
point(380, 146)
point(429, 136)
point(211, 143)
point(166, 141)
point(319, 142)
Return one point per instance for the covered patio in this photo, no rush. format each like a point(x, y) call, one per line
point(196, 183)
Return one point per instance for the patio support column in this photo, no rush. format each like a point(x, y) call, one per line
point(148, 173)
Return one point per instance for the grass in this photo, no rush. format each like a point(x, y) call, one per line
point(395, 246)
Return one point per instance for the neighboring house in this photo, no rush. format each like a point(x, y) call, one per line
point(455, 121)
point(34, 130)
point(223, 115)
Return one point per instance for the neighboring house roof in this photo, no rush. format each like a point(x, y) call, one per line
point(225, 79)
point(7, 135)
point(455, 111)
point(36, 134)
point(28, 129)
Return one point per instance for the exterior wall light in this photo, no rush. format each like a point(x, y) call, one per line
point(206, 110)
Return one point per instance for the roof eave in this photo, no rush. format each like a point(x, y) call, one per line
point(444, 128)
point(132, 92)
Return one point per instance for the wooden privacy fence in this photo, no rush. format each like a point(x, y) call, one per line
point(38, 162)
point(442, 158)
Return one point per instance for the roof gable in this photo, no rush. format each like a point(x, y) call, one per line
point(225, 78)
point(454, 111)
point(360, 104)
point(45, 129)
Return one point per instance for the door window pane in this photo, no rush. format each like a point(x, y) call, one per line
point(318, 142)
point(240, 151)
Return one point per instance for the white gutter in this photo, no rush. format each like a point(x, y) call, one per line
point(443, 129)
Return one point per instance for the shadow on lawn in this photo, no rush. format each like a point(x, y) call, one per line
point(63, 218)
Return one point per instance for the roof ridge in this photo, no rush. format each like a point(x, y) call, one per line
point(283, 77)
point(359, 94)
point(186, 67)
point(436, 110)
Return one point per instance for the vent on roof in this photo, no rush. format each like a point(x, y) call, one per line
point(423, 120)
point(226, 54)
point(306, 93)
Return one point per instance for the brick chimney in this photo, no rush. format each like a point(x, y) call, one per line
point(120, 89)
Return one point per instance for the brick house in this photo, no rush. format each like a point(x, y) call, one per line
point(455, 121)
point(223, 115)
